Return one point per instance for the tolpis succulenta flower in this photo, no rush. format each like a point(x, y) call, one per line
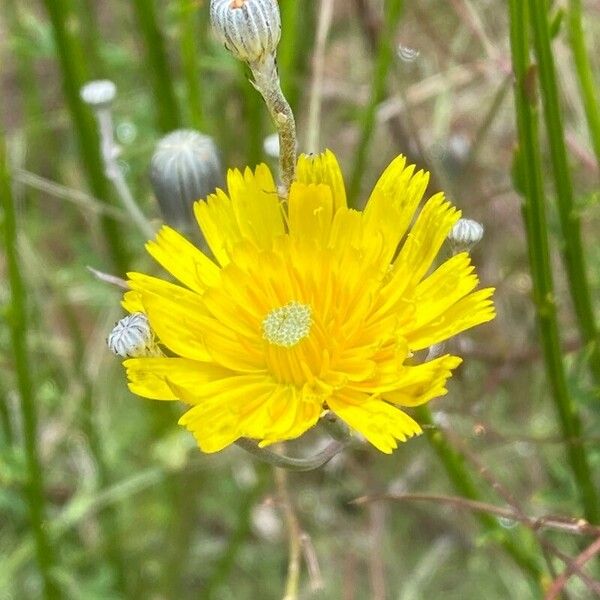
point(306, 306)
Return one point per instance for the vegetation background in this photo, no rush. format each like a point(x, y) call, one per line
point(119, 503)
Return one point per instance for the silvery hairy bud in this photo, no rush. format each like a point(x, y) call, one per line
point(99, 94)
point(249, 29)
point(185, 168)
point(132, 337)
point(465, 234)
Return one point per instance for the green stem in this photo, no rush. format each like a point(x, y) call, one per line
point(454, 464)
point(253, 117)
point(32, 100)
point(385, 57)
point(572, 246)
point(164, 92)
point(585, 76)
point(109, 520)
point(18, 325)
point(238, 537)
point(189, 35)
point(74, 73)
point(5, 420)
point(534, 213)
point(288, 52)
point(90, 36)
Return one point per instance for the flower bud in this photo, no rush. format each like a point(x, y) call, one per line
point(271, 145)
point(185, 168)
point(249, 29)
point(99, 94)
point(466, 233)
point(132, 337)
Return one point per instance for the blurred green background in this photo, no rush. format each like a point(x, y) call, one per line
point(131, 509)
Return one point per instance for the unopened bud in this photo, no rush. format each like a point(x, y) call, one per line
point(249, 29)
point(132, 337)
point(466, 233)
point(99, 94)
point(185, 168)
point(271, 145)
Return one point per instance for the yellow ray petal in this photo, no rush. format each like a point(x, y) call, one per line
point(346, 230)
point(381, 423)
point(472, 310)
point(310, 212)
point(426, 236)
point(392, 204)
point(421, 383)
point(257, 408)
point(132, 302)
point(450, 282)
point(218, 223)
point(183, 260)
point(256, 205)
point(323, 168)
point(252, 212)
point(418, 252)
point(148, 376)
point(176, 314)
point(287, 415)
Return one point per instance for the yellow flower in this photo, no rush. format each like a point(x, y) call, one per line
point(308, 306)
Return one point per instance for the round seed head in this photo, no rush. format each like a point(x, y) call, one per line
point(132, 337)
point(466, 233)
point(99, 94)
point(249, 29)
point(185, 168)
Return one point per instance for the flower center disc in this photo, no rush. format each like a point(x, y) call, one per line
point(288, 325)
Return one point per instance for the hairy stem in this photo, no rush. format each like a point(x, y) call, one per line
point(266, 81)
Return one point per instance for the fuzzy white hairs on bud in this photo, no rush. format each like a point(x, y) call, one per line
point(133, 337)
point(99, 94)
point(466, 233)
point(185, 167)
point(249, 29)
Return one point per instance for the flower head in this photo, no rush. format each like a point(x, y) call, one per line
point(306, 307)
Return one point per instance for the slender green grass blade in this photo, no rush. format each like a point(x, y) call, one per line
point(168, 117)
point(190, 33)
point(18, 325)
point(32, 100)
point(74, 74)
point(534, 212)
point(570, 222)
point(241, 533)
point(585, 74)
point(293, 13)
